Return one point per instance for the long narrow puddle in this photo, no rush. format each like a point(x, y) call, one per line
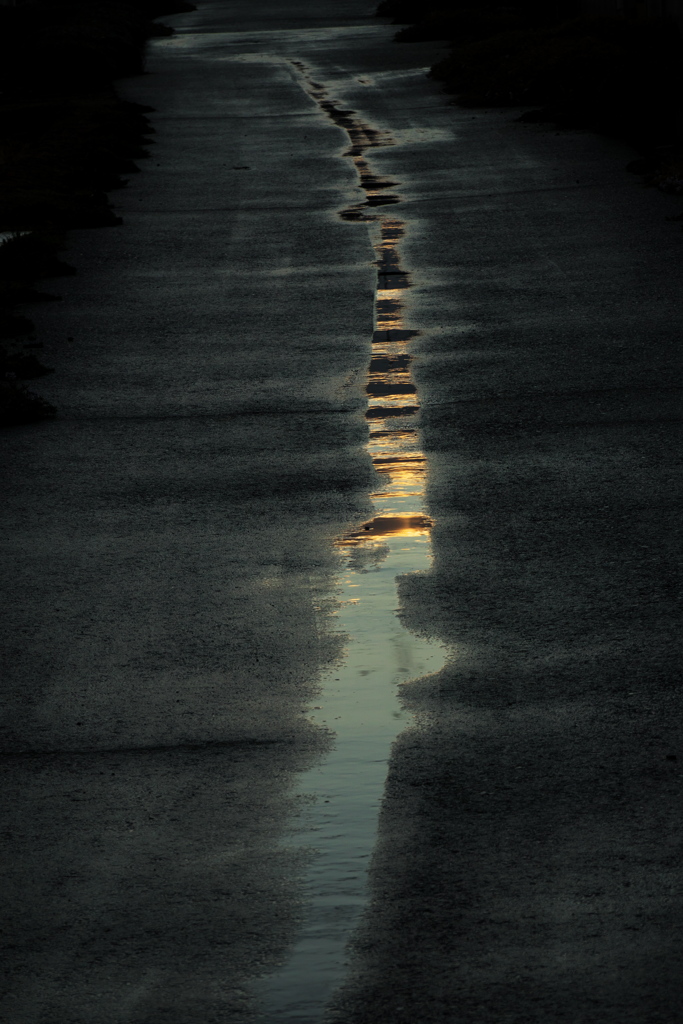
point(359, 701)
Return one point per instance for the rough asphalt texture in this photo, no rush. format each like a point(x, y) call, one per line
point(169, 555)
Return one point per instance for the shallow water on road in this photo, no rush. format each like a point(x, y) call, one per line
point(359, 701)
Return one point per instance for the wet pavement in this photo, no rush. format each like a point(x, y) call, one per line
point(369, 433)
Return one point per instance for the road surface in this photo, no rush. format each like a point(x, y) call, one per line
point(181, 543)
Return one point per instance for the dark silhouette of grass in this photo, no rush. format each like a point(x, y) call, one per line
point(465, 21)
point(66, 140)
point(20, 405)
point(618, 76)
point(25, 257)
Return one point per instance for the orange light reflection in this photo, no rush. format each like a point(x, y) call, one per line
point(391, 394)
point(388, 526)
point(390, 309)
point(390, 437)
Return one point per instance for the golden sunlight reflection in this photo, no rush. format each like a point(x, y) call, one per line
point(402, 477)
point(395, 453)
point(389, 526)
point(380, 439)
point(390, 310)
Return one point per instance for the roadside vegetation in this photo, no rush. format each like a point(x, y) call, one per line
point(618, 76)
point(66, 140)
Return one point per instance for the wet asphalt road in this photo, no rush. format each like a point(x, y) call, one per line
point(171, 556)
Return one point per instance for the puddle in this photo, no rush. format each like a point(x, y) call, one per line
point(359, 702)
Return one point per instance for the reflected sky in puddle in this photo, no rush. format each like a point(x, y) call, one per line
point(359, 700)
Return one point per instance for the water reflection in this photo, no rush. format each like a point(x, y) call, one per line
point(359, 704)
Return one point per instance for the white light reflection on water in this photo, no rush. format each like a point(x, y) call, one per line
point(360, 704)
point(359, 700)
